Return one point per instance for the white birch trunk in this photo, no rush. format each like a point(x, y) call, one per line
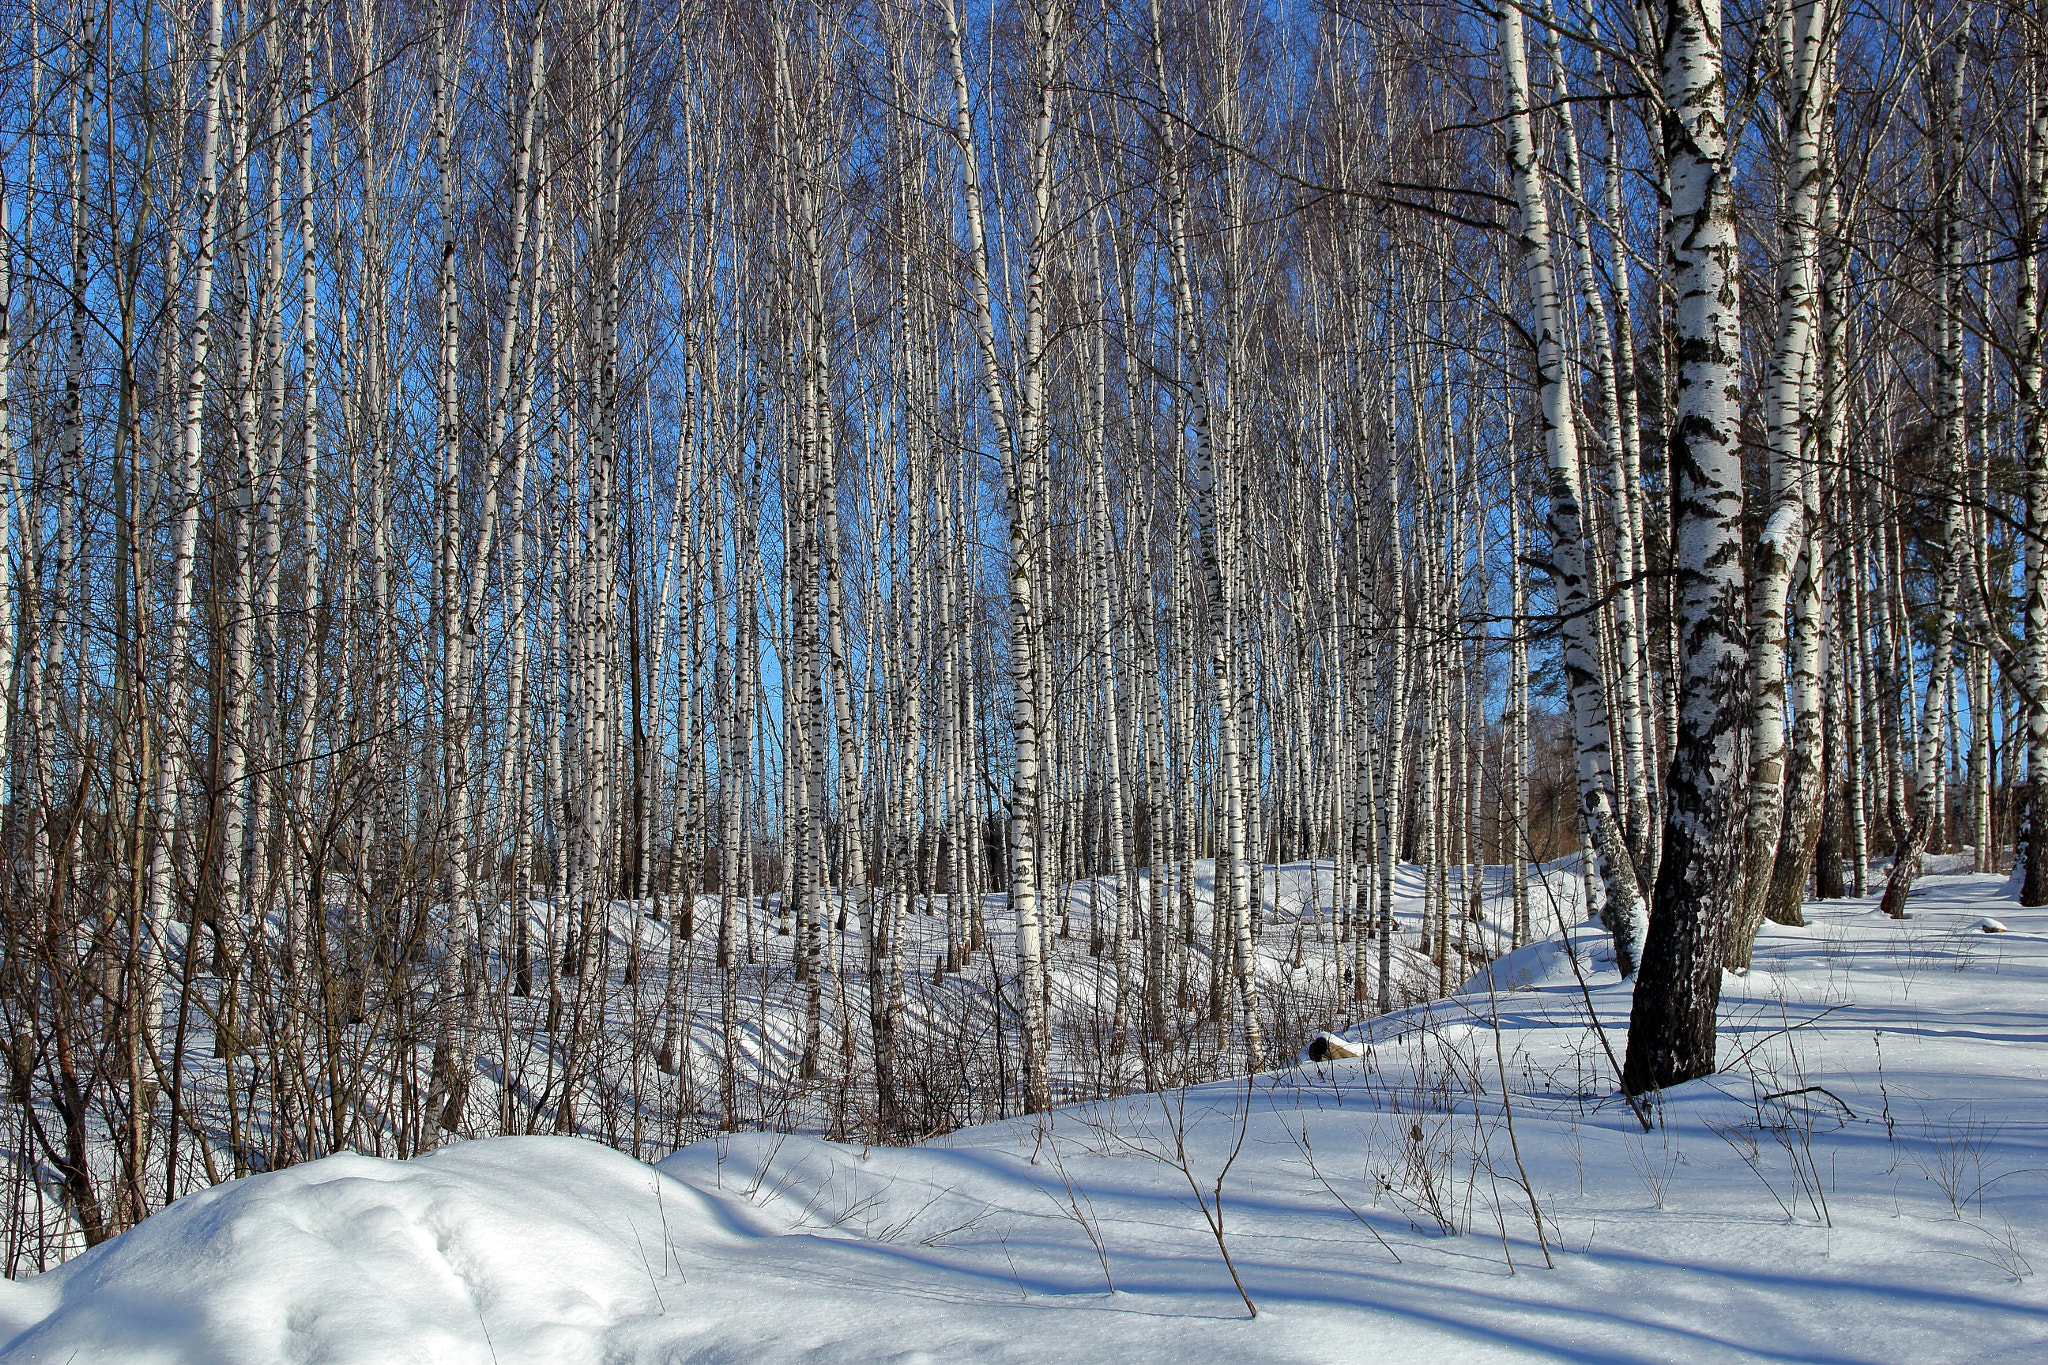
point(1569, 572)
point(1805, 30)
point(1672, 1020)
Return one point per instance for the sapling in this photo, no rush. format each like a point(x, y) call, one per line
point(2004, 1255)
point(1173, 1151)
point(1655, 1168)
point(1885, 1096)
point(1799, 1102)
point(1308, 1156)
point(1077, 1207)
point(646, 1265)
point(1952, 1155)
point(1636, 1103)
point(1507, 1109)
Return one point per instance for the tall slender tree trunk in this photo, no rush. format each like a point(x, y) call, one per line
point(1803, 41)
point(2034, 417)
point(1929, 754)
point(1570, 573)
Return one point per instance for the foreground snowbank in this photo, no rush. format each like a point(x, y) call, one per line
point(1863, 1183)
point(533, 1243)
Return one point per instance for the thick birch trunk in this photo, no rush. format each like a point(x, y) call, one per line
point(1678, 989)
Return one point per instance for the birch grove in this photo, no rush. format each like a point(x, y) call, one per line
point(858, 568)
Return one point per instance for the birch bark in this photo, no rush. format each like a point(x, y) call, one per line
point(1672, 1018)
point(2034, 416)
point(1019, 451)
point(1569, 569)
point(1804, 37)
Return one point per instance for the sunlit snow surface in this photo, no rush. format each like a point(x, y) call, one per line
point(1875, 1215)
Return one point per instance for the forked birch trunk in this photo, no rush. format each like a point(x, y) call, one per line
point(1805, 32)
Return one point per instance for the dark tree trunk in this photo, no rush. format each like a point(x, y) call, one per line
point(1828, 882)
point(2034, 889)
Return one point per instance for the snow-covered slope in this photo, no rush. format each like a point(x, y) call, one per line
point(1863, 1183)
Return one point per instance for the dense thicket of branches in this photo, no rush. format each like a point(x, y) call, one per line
point(542, 537)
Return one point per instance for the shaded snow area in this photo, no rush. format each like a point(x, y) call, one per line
point(955, 1015)
point(1864, 1182)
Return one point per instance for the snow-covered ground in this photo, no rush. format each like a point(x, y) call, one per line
point(957, 1058)
point(1866, 1181)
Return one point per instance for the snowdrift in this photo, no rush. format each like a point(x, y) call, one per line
point(530, 1247)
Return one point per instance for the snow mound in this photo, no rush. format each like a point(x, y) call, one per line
point(512, 1249)
point(1544, 963)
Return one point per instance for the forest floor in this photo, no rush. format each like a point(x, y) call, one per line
point(1866, 1180)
